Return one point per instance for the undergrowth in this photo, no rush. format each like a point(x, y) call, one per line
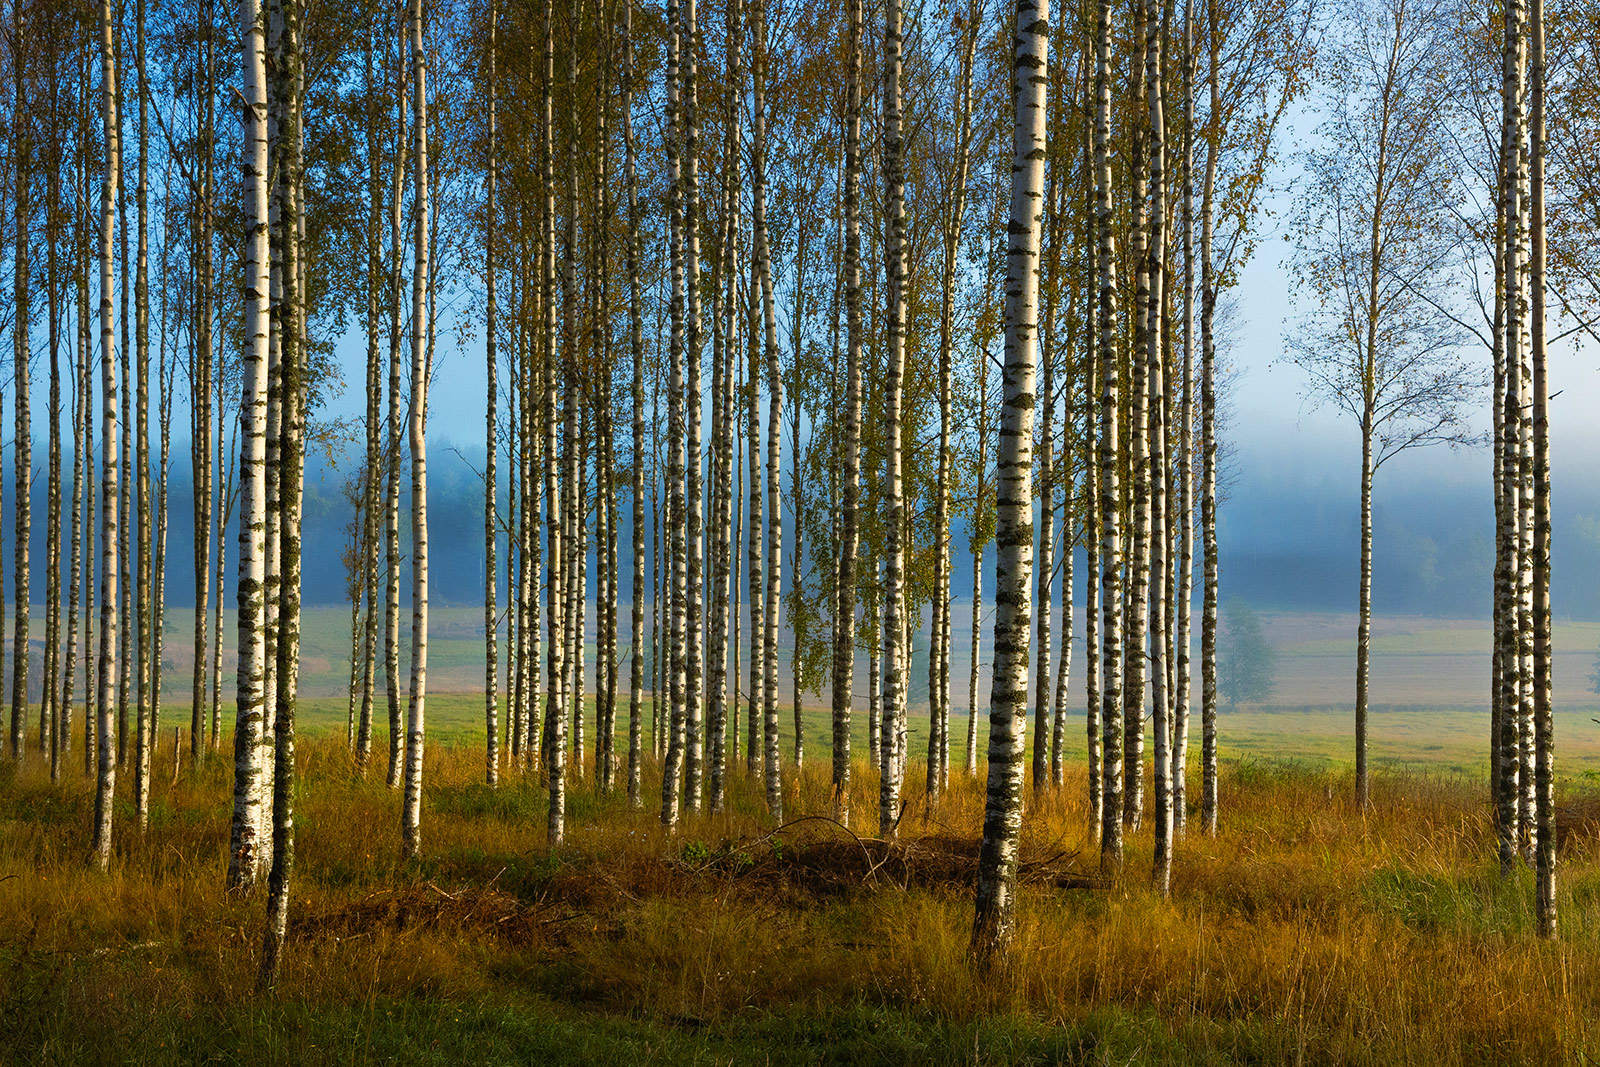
point(1307, 931)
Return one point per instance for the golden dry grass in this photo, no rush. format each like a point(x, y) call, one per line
point(1306, 932)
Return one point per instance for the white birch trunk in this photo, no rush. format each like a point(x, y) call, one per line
point(1160, 543)
point(677, 508)
point(555, 732)
point(491, 636)
point(774, 563)
point(895, 313)
point(411, 812)
point(1110, 555)
point(1208, 438)
point(109, 542)
point(22, 441)
point(1543, 721)
point(636, 346)
point(844, 655)
point(251, 744)
point(995, 920)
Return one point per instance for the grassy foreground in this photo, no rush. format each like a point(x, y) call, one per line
point(1306, 932)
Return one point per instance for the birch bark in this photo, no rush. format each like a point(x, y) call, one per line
point(106, 704)
point(995, 919)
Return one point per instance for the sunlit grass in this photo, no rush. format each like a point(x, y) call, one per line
point(1307, 931)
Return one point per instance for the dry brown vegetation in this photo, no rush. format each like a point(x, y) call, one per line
point(1306, 932)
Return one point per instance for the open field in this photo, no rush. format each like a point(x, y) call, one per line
point(1429, 686)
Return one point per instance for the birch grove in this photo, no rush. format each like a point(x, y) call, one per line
point(978, 307)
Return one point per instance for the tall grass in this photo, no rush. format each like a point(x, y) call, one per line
point(1307, 931)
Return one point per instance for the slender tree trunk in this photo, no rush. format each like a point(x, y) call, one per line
point(844, 655)
point(125, 522)
point(636, 346)
point(141, 435)
point(1543, 720)
point(981, 364)
point(952, 218)
point(411, 813)
point(22, 443)
point(1093, 515)
point(1185, 583)
point(694, 550)
point(109, 541)
point(763, 258)
point(224, 512)
point(555, 734)
point(1502, 737)
point(1160, 543)
point(250, 743)
point(726, 474)
point(391, 593)
point(1110, 555)
point(1208, 440)
point(51, 710)
point(754, 750)
point(894, 699)
point(1046, 560)
point(165, 368)
point(286, 72)
point(202, 414)
point(995, 921)
point(372, 496)
point(82, 445)
point(676, 445)
point(491, 581)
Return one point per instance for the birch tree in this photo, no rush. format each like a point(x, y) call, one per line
point(1543, 720)
point(111, 125)
point(894, 554)
point(995, 919)
point(636, 346)
point(22, 441)
point(251, 745)
point(1110, 554)
point(1371, 251)
point(491, 665)
point(769, 329)
point(849, 521)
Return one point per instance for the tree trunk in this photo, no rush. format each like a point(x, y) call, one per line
point(491, 636)
point(141, 435)
point(250, 742)
point(1543, 721)
point(995, 919)
point(981, 364)
point(22, 443)
point(1110, 555)
point(1208, 440)
point(109, 542)
point(51, 710)
point(726, 474)
point(201, 412)
point(636, 345)
point(894, 699)
point(1160, 543)
point(763, 257)
point(754, 751)
point(844, 646)
point(676, 445)
point(1137, 610)
point(391, 502)
point(411, 813)
point(1185, 582)
point(286, 73)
